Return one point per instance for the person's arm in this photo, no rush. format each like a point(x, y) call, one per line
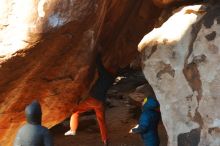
point(48, 141)
point(143, 125)
point(139, 129)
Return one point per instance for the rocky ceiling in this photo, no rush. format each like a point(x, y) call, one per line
point(48, 49)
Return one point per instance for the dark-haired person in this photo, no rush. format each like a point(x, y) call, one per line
point(95, 101)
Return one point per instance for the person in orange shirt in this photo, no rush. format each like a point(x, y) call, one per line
point(95, 102)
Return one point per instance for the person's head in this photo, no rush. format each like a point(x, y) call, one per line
point(33, 113)
point(150, 103)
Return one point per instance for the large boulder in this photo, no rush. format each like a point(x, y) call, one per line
point(181, 62)
point(48, 49)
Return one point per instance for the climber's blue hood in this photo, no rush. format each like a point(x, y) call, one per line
point(33, 113)
point(150, 104)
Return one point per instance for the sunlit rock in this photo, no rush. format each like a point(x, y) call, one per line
point(181, 62)
point(47, 51)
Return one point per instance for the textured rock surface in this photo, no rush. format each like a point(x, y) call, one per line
point(181, 62)
point(48, 48)
point(162, 3)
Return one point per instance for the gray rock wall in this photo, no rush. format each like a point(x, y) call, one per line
point(181, 61)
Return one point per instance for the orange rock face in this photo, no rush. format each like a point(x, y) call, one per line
point(48, 50)
point(162, 3)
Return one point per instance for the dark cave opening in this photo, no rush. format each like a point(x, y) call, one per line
point(123, 109)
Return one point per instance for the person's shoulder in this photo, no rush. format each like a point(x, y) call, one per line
point(42, 127)
point(23, 127)
point(44, 130)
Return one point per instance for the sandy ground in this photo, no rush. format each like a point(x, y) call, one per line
point(120, 116)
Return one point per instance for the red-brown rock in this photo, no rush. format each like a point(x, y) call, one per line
point(48, 48)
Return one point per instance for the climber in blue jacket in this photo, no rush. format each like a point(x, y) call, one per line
point(148, 122)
